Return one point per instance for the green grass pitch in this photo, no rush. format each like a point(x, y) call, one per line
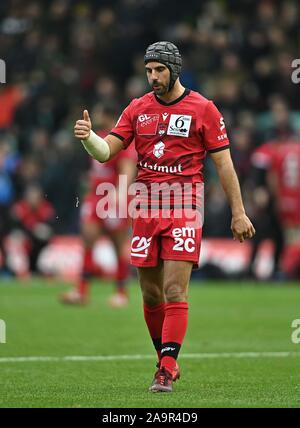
point(225, 320)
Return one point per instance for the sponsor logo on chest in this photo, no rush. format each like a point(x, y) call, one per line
point(179, 125)
point(175, 124)
point(147, 124)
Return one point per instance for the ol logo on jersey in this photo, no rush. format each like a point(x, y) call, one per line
point(179, 125)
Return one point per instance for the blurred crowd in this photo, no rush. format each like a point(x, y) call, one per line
point(63, 56)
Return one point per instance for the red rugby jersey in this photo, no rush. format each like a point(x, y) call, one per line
point(29, 217)
point(283, 160)
point(263, 155)
point(286, 167)
point(171, 139)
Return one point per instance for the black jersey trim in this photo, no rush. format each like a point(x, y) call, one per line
point(219, 149)
point(117, 135)
point(186, 92)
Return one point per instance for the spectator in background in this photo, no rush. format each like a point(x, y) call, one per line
point(276, 182)
point(10, 98)
point(34, 216)
point(281, 124)
point(284, 172)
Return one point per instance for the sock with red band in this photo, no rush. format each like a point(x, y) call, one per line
point(173, 332)
point(154, 317)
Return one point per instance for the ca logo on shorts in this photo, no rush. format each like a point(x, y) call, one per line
point(139, 246)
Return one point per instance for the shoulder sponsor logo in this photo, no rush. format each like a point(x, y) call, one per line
point(222, 137)
point(147, 124)
point(222, 123)
point(158, 149)
point(179, 125)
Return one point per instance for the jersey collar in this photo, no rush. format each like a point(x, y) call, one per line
point(186, 92)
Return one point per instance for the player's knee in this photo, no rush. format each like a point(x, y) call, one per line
point(152, 296)
point(175, 293)
point(90, 234)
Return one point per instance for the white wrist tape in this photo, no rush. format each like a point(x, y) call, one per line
point(97, 147)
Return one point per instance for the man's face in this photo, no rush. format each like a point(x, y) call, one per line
point(158, 77)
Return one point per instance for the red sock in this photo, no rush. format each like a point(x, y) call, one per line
point(122, 275)
point(87, 270)
point(154, 317)
point(88, 264)
point(83, 287)
point(123, 269)
point(173, 332)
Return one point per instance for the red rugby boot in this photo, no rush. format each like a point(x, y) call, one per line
point(163, 380)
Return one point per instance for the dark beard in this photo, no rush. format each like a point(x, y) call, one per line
point(161, 91)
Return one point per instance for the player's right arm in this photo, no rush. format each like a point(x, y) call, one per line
point(217, 144)
point(101, 149)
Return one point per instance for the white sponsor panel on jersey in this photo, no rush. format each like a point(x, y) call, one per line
point(179, 125)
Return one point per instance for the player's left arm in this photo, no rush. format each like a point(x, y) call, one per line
point(241, 226)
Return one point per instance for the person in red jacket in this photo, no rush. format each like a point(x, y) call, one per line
point(34, 215)
point(280, 162)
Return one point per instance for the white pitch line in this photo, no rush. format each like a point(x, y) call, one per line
point(84, 358)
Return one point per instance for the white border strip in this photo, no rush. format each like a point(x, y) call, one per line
point(84, 358)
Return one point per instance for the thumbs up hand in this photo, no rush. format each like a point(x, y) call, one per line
point(83, 127)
